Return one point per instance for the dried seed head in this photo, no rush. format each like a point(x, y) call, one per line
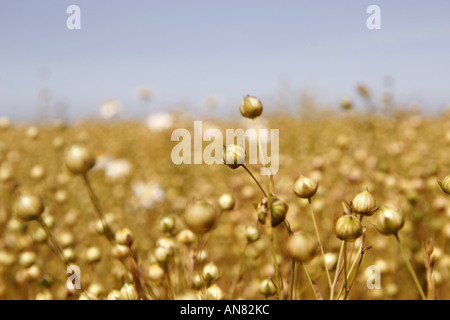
point(445, 184)
point(124, 237)
point(167, 225)
point(251, 107)
point(128, 292)
point(44, 295)
point(34, 272)
point(305, 187)
point(252, 233)
point(233, 156)
point(200, 217)
point(210, 273)
point(33, 132)
point(186, 237)
point(364, 204)
point(226, 202)
point(267, 288)
point(162, 255)
point(348, 228)
point(301, 247)
point(78, 159)
point(389, 220)
point(65, 239)
point(197, 281)
point(279, 211)
point(156, 272)
point(28, 207)
point(5, 123)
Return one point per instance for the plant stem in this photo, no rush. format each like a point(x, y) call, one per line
point(338, 271)
point(410, 268)
point(292, 284)
point(320, 242)
point(310, 281)
point(345, 268)
point(241, 271)
point(253, 177)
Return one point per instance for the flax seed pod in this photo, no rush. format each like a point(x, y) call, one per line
point(251, 107)
point(301, 247)
point(226, 202)
point(78, 159)
point(279, 211)
point(445, 184)
point(233, 156)
point(200, 217)
point(348, 228)
point(305, 187)
point(389, 220)
point(128, 292)
point(364, 204)
point(28, 207)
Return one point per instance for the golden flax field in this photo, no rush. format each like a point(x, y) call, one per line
point(357, 210)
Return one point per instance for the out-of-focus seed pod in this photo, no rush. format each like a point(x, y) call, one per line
point(37, 172)
point(69, 254)
point(34, 272)
point(210, 273)
point(279, 211)
point(6, 258)
point(5, 123)
point(233, 156)
point(267, 288)
point(305, 187)
point(113, 295)
point(92, 254)
point(85, 295)
point(363, 91)
point(156, 272)
point(167, 225)
point(214, 293)
point(348, 228)
point(162, 255)
point(27, 259)
point(44, 295)
point(364, 204)
point(33, 132)
point(202, 256)
point(78, 159)
point(48, 220)
point(252, 233)
point(61, 196)
point(58, 143)
point(96, 289)
point(186, 237)
point(39, 235)
point(251, 107)
point(331, 259)
point(445, 184)
point(128, 292)
point(200, 217)
point(124, 237)
point(389, 220)
point(346, 103)
point(197, 281)
point(121, 251)
point(28, 207)
point(226, 202)
point(301, 247)
point(65, 239)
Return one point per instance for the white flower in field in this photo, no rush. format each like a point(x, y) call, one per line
point(110, 108)
point(119, 168)
point(159, 121)
point(148, 193)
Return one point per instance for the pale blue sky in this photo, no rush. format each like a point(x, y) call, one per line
point(188, 50)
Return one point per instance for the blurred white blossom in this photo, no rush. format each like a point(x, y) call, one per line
point(147, 193)
point(119, 168)
point(159, 122)
point(110, 108)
